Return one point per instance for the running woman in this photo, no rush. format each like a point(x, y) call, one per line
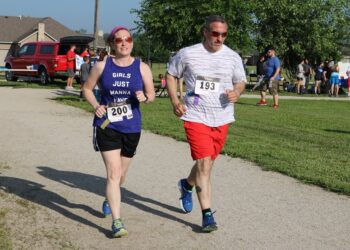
point(125, 82)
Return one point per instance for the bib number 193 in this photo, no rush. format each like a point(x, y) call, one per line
point(206, 85)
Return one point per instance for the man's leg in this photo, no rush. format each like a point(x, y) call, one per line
point(200, 177)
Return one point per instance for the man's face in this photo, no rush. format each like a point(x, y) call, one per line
point(215, 36)
point(270, 53)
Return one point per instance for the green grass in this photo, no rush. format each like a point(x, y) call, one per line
point(57, 84)
point(5, 240)
point(308, 140)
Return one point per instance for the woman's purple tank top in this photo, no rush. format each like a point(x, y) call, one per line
point(119, 84)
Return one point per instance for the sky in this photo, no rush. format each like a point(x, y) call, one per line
point(76, 14)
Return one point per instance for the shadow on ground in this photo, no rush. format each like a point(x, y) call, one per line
point(37, 193)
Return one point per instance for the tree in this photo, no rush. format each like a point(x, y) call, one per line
point(312, 29)
point(315, 29)
point(81, 31)
point(175, 24)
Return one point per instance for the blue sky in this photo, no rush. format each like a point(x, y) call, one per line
point(76, 14)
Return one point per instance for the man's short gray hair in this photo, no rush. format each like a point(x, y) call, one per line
point(211, 19)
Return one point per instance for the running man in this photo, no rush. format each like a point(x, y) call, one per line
point(215, 79)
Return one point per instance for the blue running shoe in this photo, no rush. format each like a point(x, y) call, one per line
point(209, 223)
point(106, 210)
point(118, 229)
point(186, 197)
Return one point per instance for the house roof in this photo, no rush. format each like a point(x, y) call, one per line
point(16, 28)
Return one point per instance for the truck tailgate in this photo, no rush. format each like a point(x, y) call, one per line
point(61, 63)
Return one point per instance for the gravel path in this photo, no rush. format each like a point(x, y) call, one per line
point(51, 163)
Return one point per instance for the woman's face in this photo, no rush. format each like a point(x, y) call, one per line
point(122, 43)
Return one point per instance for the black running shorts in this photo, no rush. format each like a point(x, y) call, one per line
point(109, 139)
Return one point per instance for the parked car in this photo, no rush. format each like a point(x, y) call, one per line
point(46, 60)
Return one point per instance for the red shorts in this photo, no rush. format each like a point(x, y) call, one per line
point(204, 140)
point(349, 82)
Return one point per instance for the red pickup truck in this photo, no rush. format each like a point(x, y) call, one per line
point(46, 60)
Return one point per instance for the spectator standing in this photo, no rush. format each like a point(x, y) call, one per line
point(271, 78)
point(300, 78)
point(102, 56)
point(84, 73)
point(85, 52)
point(327, 71)
point(260, 71)
point(215, 79)
point(318, 78)
point(70, 67)
point(307, 73)
point(348, 74)
point(334, 80)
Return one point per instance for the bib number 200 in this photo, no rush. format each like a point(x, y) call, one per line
point(116, 114)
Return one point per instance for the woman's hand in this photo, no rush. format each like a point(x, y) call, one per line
point(141, 96)
point(100, 111)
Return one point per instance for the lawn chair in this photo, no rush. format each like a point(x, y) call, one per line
point(161, 91)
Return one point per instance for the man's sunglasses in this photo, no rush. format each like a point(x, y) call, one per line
point(119, 40)
point(217, 34)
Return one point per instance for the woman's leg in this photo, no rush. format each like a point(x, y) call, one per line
point(113, 163)
point(125, 166)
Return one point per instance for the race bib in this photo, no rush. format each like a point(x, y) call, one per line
point(118, 111)
point(206, 85)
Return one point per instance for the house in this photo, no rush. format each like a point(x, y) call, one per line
point(17, 30)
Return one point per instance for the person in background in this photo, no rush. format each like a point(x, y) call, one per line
point(70, 67)
point(162, 80)
point(300, 78)
point(103, 54)
point(327, 71)
point(84, 73)
point(85, 52)
point(271, 78)
point(125, 83)
point(334, 80)
point(307, 74)
point(260, 71)
point(348, 75)
point(318, 78)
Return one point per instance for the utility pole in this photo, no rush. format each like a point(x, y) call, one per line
point(96, 23)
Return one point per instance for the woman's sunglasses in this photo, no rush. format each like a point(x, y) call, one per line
point(119, 40)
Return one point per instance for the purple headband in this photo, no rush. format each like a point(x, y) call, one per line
point(115, 30)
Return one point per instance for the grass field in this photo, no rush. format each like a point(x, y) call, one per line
point(308, 140)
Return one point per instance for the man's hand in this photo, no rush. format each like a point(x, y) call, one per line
point(179, 109)
point(233, 95)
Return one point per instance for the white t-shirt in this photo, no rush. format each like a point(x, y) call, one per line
point(213, 73)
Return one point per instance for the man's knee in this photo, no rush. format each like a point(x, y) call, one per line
point(204, 165)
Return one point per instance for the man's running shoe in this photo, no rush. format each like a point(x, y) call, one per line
point(118, 229)
point(186, 197)
point(262, 103)
point(209, 223)
point(275, 106)
point(106, 210)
